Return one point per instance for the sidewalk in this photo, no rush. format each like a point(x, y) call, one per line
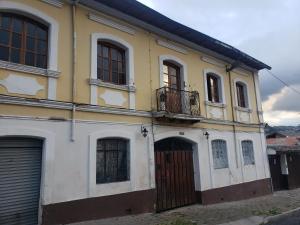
point(247, 211)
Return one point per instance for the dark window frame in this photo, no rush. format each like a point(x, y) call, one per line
point(112, 169)
point(37, 54)
point(121, 63)
point(241, 94)
point(213, 88)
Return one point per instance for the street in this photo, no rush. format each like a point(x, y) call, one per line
point(290, 219)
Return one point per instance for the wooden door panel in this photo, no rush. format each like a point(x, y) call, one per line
point(174, 179)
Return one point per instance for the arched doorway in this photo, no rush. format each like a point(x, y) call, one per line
point(174, 173)
point(20, 176)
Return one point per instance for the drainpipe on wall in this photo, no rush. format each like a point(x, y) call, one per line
point(73, 123)
point(234, 126)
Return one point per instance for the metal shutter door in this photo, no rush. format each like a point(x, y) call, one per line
point(20, 175)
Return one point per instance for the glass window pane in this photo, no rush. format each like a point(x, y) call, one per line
point(106, 75)
point(115, 78)
point(4, 37)
point(41, 61)
point(105, 64)
point(114, 66)
point(114, 54)
point(17, 25)
point(15, 55)
point(105, 51)
point(120, 56)
point(99, 52)
point(99, 74)
point(100, 167)
point(41, 33)
point(29, 59)
point(16, 40)
point(99, 62)
point(30, 29)
point(5, 22)
point(122, 78)
point(165, 69)
point(30, 44)
point(4, 53)
point(41, 47)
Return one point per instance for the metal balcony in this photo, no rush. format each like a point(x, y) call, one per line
point(173, 104)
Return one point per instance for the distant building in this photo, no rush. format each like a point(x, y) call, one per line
point(284, 160)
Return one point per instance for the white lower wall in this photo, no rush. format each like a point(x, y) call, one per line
point(69, 166)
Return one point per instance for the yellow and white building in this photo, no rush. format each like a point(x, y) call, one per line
point(108, 108)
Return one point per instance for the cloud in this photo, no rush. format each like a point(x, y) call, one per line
point(268, 30)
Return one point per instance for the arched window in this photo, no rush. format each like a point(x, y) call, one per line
point(111, 63)
point(241, 94)
point(214, 91)
point(112, 163)
point(23, 40)
point(248, 154)
point(171, 77)
point(219, 150)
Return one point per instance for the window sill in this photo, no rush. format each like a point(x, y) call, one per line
point(129, 88)
point(28, 69)
point(248, 110)
point(219, 105)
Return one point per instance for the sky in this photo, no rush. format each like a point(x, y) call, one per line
point(268, 30)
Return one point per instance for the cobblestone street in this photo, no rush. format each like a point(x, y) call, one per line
point(213, 214)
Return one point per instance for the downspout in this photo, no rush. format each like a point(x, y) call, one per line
point(234, 120)
point(74, 61)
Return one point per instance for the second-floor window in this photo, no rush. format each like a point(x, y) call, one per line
point(171, 75)
point(23, 40)
point(213, 88)
point(111, 63)
point(241, 93)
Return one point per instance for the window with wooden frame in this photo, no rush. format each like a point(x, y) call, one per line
point(213, 88)
point(23, 40)
point(111, 63)
point(171, 75)
point(112, 163)
point(219, 150)
point(241, 92)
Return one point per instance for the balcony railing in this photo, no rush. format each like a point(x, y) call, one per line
point(175, 101)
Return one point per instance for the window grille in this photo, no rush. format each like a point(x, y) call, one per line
point(219, 150)
point(112, 160)
point(248, 154)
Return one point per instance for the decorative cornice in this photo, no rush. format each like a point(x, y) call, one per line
point(213, 61)
point(111, 23)
point(28, 69)
point(56, 3)
point(171, 46)
point(129, 88)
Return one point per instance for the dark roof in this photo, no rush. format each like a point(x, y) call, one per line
point(150, 16)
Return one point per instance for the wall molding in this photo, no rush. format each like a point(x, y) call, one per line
point(53, 32)
point(129, 56)
point(171, 46)
point(111, 23)
point(28, 69)
point(56, 3)
point(12, 100)
point(100, 83)
point(178, 62)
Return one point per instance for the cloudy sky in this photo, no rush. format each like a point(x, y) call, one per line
point(268, 30)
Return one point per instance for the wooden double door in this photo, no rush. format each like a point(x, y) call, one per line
point(174, 173)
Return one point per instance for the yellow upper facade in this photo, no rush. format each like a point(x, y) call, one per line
point(74, 32)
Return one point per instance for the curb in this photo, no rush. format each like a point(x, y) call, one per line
point(272, 218)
